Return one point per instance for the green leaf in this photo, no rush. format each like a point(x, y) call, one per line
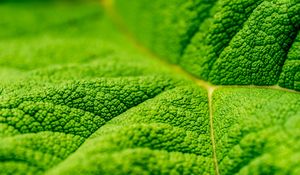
point(228, 42)
point(77, 96)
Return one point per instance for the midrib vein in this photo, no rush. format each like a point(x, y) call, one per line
point(108, 6)
point(212, 131)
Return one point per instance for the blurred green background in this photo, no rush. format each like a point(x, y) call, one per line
point(35, 34)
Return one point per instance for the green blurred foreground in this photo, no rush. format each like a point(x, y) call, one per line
point(78, 97)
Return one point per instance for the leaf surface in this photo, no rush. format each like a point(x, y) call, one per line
point(78, 97)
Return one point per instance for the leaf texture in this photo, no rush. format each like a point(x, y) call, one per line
point(77, 97)
point(238, 42)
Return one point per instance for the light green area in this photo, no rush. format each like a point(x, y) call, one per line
point(76, 97)
point(257, 131)
point(166, 134)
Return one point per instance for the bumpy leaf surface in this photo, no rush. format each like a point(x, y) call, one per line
point(78, 97)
